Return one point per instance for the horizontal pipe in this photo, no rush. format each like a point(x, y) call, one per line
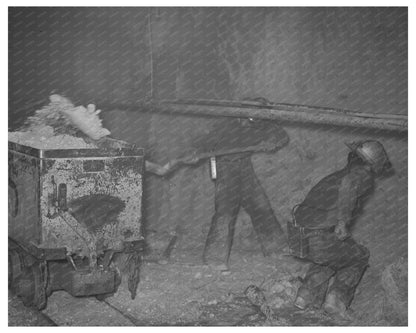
point(285, 106)
point(273, 111)
point(287, 112)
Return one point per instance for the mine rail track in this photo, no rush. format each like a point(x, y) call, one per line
point(125, 315)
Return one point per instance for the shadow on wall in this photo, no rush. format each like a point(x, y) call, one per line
point(185, 200)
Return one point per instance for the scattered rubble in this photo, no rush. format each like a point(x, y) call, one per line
point(394, 280)
point(282, 289)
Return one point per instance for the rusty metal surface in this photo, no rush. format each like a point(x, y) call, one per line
point(120, 178)
point(93, 282)
point(37, 252)
point(37, 178)
point(74, 153)
point(24, 223)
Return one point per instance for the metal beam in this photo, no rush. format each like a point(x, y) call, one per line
point(283, 112)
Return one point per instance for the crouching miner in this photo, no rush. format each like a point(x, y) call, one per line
point(319, 232)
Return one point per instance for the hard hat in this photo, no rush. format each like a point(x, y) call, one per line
point(372, 152)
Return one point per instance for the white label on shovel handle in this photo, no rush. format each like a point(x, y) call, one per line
point(213, 167)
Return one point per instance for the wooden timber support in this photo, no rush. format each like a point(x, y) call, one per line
point(280, 111)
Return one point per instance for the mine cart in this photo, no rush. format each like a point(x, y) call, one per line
point(70, 212)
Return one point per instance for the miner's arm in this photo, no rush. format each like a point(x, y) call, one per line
point(347, 200)
point(160, 170)
point(278, 138)
point(157, 169)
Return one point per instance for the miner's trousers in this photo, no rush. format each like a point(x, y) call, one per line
point(345, 260)
point(237, 186)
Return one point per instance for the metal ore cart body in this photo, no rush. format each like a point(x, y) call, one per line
point(70, 211)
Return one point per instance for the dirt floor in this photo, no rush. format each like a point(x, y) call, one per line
point(20, 315)
point(186, 293)
point(183, 292)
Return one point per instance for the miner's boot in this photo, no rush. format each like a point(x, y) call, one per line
point(216, 246)
point(335, 307)
point(303, 298)
point(313, 290)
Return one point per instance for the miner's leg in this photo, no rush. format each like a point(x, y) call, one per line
point(257, 205)
point(227, 202)
point(213, 235)
point(350, 267)
point(313, 290)
point(230, 238)
point(217, 250)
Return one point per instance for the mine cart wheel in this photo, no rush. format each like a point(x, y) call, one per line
point(13, 199)
point(31, 285)
point(15, 267)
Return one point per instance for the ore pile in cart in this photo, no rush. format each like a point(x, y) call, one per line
point(70, 212)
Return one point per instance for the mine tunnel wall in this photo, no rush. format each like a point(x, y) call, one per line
point(353, 58)
point(184, 202)
point(186, 198)
point(339, 57)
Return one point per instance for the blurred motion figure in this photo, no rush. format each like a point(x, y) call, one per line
point(236, 186)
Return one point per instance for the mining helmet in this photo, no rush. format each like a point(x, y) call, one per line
point(373, 153)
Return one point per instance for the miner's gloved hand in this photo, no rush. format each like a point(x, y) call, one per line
point(171, 166)
point(341, 231)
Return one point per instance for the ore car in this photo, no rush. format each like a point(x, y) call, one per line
point(70, 212)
